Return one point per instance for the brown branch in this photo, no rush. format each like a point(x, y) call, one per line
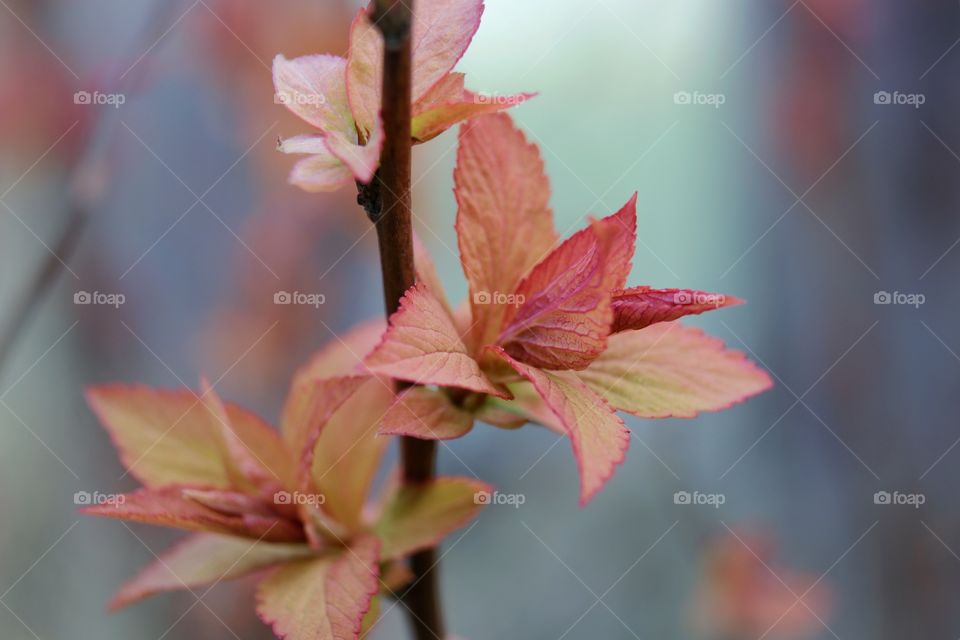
point(387, 202)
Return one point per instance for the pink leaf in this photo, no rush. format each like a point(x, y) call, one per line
point(362, 159)
point(422, 346)
point(418, 517)
point(442, 30)
point(169, 508)
point(670, 370)
point(313, 87)
point(438, 113)
point(640, 307)
point(164, 437)
point(426, 414)
point(204, 559)
point(309, 405)
point(565, 313)
point(500, 185)
point(598, 436)
point(322, 599)
point(347, 452)
point(427, 273)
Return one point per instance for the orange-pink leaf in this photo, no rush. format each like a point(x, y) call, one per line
point(347, 452)
point(426, 414)
point(639, 307)
point(168, 507)
point(309, 405)
point(670, 370)
point(314, 88)
point(566, 311)
point(423, 346)
point(203, 559)
point(452, 104)
point(344, 353)
point(324, 598)
point(442, 30)
point(597, 434)
point(416, 517)
point(501, 187)
point(164, 437)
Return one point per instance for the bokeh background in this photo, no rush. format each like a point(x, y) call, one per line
point(785, 179)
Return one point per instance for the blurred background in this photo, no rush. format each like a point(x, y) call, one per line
point(802, 155)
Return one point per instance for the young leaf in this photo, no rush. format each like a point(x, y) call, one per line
point(164, 437)
point(342, 356)
point(442, 30)
point(668, 370)
point(426, 414)
point(566, 313)
point(422, 346)
point(204, 559)
point(449, 103)
point(418, 517)
point(596, 433)
point(313, 88)
point(639, 307)
point(347, 452)
point(500, 185)
point(168, 507)
point(308, 407)
point(322, 599)
point(321, 171)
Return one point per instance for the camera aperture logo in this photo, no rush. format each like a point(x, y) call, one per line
point(699, 298)
point(715, 100)
point(486, 498)
point(299, 298)
point(99, 298)
point(899, 98)
point(298, 498)
point(498, 298)
point(115, 100)
point(897, 498)
point(700, 499)
point(909, 299)
point(96, 499)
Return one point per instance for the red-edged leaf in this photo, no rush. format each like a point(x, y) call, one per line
point(427, 273)
point(309, 405)
point(566, 312)
point(442, 30)
point(313, 87)
point(204, 559)
point(164, 437)
point(168, 507)
point(243, 466)
point(418, 517)
point(449, 103)
point(347, 452)
point(322, 599)
point(639, 307)
point(500, 184)
point(426, 414)
point(231, 502)
point(597, 434)
point(670, 370)
point(422, 346)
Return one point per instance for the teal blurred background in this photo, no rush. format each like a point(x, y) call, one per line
point(804, 191)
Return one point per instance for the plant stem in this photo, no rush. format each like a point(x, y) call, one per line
point(388, 205)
